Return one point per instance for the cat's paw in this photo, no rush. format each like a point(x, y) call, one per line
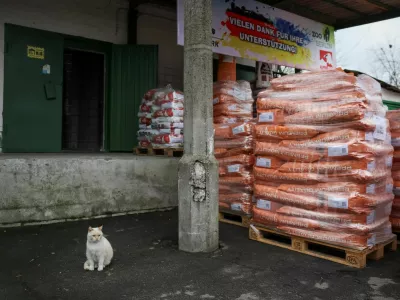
point(100, 268)
point(86, 266)
point(91, 268)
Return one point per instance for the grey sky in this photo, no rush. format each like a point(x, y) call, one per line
point(354, 46)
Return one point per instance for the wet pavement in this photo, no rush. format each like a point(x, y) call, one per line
point(46, 262)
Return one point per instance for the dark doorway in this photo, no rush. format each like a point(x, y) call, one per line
point(83, 101)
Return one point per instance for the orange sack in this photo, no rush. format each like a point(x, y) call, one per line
point(395, 222)
point(235, 170)
point(359, 176)
point(396, 175)
point(341, 136)
point(230, 131)
point(326, 151)
point(267, 205)
point(289, 132)
point(396, 202)
point(330, 167)
point(273, 194)
point(268, 218)
point(377, 188)
point(227, 188)
point(276, 219)
point(226, 68)
point(236, 207)
point(358, 203)
point(292, 107)
point(236, 181)
point(270, 149)
point(222, 131)
point(338, 238)
point(330, 115)
point(396, 167)
point(270, 175)
point(395, 213)
point(224, 97)
point(231, 119)
point(268, 162)
point(243, 159)
point(337, 77)
point(241, 143)
point(342, 113)
point(369, 217)
point(223, 152)
point(233, 110)
point(396, 155)
point(236, 197)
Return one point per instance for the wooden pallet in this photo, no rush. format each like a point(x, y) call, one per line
point(338, 254)
point(397, 232)
point(239, 219)
point(170, 152)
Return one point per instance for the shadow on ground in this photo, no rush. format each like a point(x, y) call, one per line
point(46, 262)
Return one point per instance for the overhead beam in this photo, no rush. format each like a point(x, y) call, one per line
point(381, 4)
point(338, 4)
point(167, 3)
point(273, 2)
point(369, 19)
point(312, 14)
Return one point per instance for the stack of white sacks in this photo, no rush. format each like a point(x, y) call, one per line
point(161, 119)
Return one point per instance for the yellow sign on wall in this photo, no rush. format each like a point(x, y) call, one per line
point(35, 52)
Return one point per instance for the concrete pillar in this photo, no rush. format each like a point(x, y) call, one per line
point(198, 168)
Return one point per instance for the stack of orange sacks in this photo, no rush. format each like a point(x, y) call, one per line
point(323, 159)
point(394, 119)
point(233, 105)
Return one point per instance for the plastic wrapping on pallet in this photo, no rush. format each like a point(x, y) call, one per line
point(394, 120)
point(161, 119)
point(279, 219)
point(323, 159)
point(234, 143)
point(350, 240)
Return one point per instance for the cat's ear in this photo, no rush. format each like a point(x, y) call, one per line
point(90, 228)
point(101, 227)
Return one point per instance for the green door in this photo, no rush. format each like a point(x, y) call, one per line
point(33, 72)
point(134, 71)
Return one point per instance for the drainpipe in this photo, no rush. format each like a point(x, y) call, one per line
point(198, 168)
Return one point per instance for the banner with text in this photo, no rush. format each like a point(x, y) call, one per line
point(256, 31)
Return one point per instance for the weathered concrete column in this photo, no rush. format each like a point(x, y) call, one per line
point(198, 168)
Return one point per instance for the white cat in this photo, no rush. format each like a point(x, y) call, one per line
point(98, 250)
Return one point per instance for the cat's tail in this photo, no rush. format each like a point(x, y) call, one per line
point(86, 265)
